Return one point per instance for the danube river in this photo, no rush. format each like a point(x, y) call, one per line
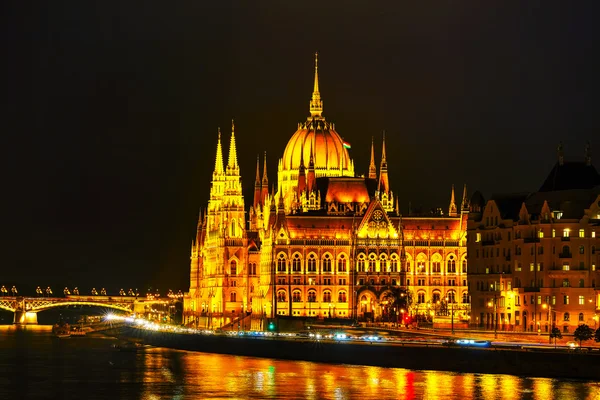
point(36, 365)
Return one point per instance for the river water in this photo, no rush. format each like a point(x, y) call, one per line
point(36, 365)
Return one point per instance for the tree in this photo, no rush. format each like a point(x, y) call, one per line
point(555, 333)
point(583, 333)
point(597, 335)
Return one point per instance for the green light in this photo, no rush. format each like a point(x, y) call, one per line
point(271, 326)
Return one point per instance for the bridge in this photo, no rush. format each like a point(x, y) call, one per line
point(25, 309)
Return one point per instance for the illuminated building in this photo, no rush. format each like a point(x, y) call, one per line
point(327, 243)
point(534, 257)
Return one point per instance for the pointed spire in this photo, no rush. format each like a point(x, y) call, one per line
point(219, 159)
point(561, 154)
point(316, 104)
point(384, 184)
point(257, 188)
point(465, 199)
point(372, 167)
point(232, 163)
point(265, 180)
point(588, 154)
point(452, 209)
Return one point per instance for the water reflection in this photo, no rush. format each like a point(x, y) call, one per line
point(33, 364)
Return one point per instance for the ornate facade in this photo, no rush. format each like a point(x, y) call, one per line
point(325, 244)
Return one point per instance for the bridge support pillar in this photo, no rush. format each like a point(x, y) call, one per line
point(25, 318)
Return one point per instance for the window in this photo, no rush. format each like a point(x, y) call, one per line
point(312, 296)
point(420, 267)
point(464, 266)
point(421, 297)
point(361, 263)
point(281, 296)
point(297, 263)
point(541, 234)
point(478, 237)
point(566, 300)
point(326, 281)
point(566, 317)
point(566, 283)
point(233, 296)
point(394, 263)
point(234, 283)
point(436, 297)
point(233, 268)
point(342, 297)
point(327, 296)
point(581, 317)
point(327, 263)
point(297, 296)
point(451, 265)
point(566, 266)
point(281, 263)
point(342, 263)
point(581, 283)
point(436, 267)
point(382, 282)
point(372, 263)
point(421, 282)
point(465, 298)
point(566, 232)
point(594, 233)
point(582, 233)
point(566, 251)
point(342, 281)
point(252, 269)
point(383, 264)
point(312, 263)
point(451, 296)
point(581, 300)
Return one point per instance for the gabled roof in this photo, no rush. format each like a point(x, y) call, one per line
point(509, 205)
point(346, 189)
point(571, 175)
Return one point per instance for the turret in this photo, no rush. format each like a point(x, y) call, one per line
point(265, 181)
point(464, 206)
point(257, 188)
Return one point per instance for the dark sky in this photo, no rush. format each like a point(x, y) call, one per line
point(111, 111)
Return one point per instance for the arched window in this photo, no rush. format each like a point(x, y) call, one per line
point(464, 266)
point(436, 267)
point(566, 317)
point(372, 262)
point(281, 297)
point(233, 296)
point(383, 263)
point(342, 297)
point(281, 263)
point(296, 296)
point(297, 263)
point(421, 297)
point(566, 251)
point(312, 263)
point(580, 317)
point(451, 296)
point(312, 296)
point(451, 265)
point(327, 263)
point(342, 263)
point(421, 268)
point(394, 262)
point(327, 296)
point(581, 250)
point(436, 297)
point(361, 263)
point(233, 267)
point(465, 298)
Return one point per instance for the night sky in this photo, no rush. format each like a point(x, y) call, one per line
point(111, 111)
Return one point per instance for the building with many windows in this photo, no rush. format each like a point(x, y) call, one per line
point(326, 243)
point(534, 257)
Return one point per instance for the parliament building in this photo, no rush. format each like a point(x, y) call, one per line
point(323, 243)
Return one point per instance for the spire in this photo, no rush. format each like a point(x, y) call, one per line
point(310, 179)
point(384, 184)
point(452, 209)
point(588, 154)
point(561, 154)
point(316, 104)
point(465, 200)
point(232, 163)
point(372, 167)
point(301, 175)
point(257, 187)
point(219, 159)
point(265, 182)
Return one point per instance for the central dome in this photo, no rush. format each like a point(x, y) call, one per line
point(328, 151)
point(317, 139)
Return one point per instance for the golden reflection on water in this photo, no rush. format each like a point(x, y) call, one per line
point(201, 375)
